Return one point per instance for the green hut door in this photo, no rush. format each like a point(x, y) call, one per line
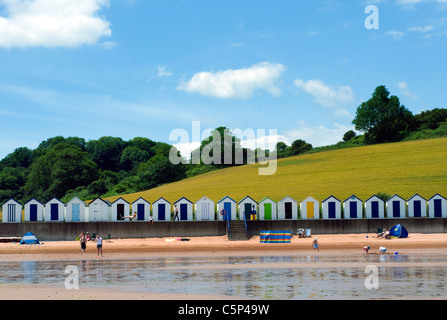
point(267, 211)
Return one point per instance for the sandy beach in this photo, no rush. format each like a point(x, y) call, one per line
point(342, 245)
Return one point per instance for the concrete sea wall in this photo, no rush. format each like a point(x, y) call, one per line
point(66, 231)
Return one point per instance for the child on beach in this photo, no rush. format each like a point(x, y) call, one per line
point(83, 241)
point(99, 244)
point(315, 245)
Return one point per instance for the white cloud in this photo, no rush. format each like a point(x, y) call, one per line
point(421, 29)
point(52, 23)
point(317, 136)
point(163, 72)
point(406, 92)
point(240, 83)
point(325, 95)
point(395, 34)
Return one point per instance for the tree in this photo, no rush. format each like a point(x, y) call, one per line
point(299, 147)
point(62, 168)
point(227, 147)
point(349, 135)
point(383, 118)
point(106, 152)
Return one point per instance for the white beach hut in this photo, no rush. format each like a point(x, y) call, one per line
point(352, 208)
point(374, 208)
point(143, 209)
point(310, 208)
point(12, 211)
point(161, 210)
point(99, 210)
point(75, 210)
point(185, 209)
point(288, 209)
point(34, 211)
point(331, 208)
point(54, 210)
point(204, 209)
point(267, 209)
point(227, 209)
point(395, 207)
point(120, 209)
point(417, 207)
point(437, 206)
point(246, 206)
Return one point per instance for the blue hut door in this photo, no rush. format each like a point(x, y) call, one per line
point(162, 212)
point(183, 212)
point(438, 208)
point(375, 209)
point(76, 212)
point(417, 209)
point(54, 212)
point(33, 212)
point(140, 211)
point(11, 212)
point(396, 209)
point(227, 208)
point(353, 210)
point(332, 213)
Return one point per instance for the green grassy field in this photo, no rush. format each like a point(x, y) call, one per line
point(404, 168)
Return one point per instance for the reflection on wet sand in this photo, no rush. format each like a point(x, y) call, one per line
point(255, 277)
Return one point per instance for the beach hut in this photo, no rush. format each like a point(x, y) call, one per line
point(417, 207)
point(54, 210)
point(310, 208)
point(331, 208)
point(204, 209)
point(185, 209)
point(352, 208)
point(437, 206)
point(99, 210)
point(227, 209)
point(120, 208)
point(161, 210)
point(246, 206)
point(75, 210)
point(143, 209)
point(34, 210)
point(288, 209)
point(374, 208)
point(395, 207)
point(267, 209)
point(12, 211)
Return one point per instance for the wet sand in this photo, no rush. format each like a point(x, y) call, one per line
point(216, 246)
point(342, 245)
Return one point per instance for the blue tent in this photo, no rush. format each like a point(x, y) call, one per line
point(398, 231)
point(29, 238)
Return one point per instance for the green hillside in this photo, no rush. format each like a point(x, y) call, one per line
point(403, 168)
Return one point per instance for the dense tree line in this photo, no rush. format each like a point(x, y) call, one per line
point(64, 167)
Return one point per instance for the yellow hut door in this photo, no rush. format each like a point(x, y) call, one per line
point(310, 210)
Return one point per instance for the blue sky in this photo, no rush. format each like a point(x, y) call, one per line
point(128, 68)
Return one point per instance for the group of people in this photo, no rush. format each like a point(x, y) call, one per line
point(384, 234)
point(84, 237)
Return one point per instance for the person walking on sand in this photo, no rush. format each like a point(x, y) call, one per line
point(99, 245)
point(176, 213)
point(315, 245)
point(83, 241)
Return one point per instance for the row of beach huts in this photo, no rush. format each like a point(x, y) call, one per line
point(205, 209)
